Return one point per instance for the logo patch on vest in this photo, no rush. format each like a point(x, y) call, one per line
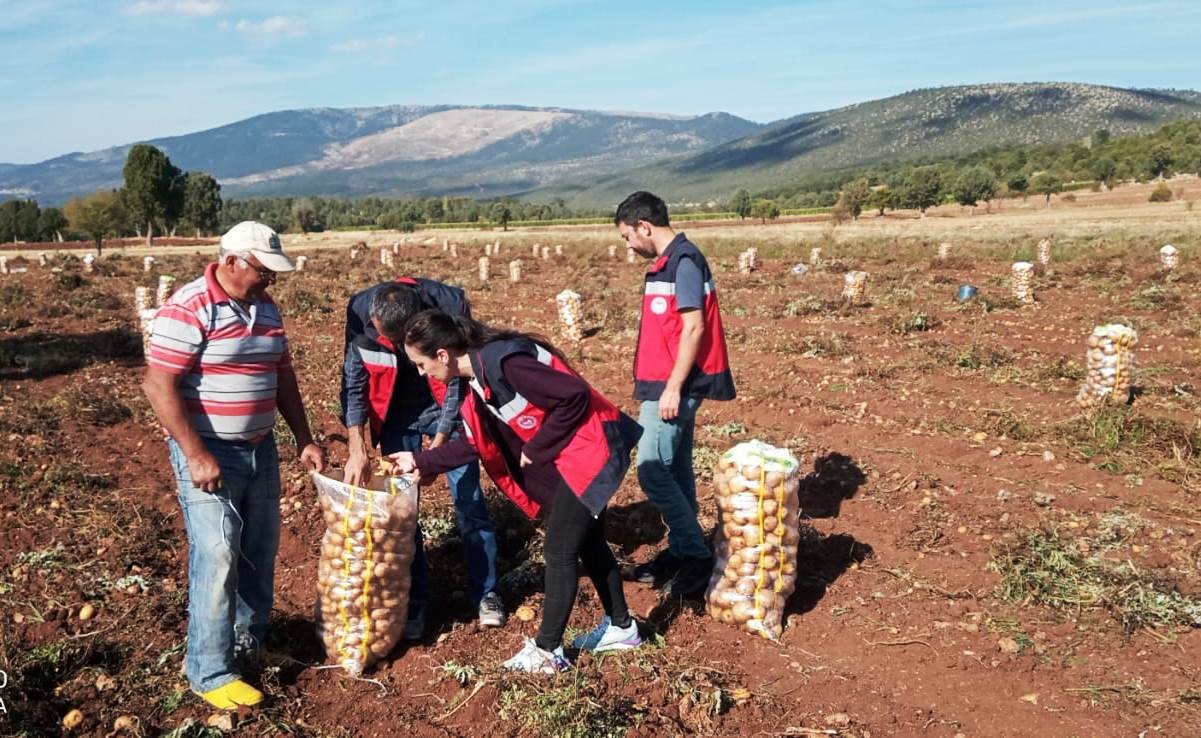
point(527, 422)
point(659, 305)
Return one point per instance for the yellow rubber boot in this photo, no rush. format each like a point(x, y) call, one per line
point(232, 696)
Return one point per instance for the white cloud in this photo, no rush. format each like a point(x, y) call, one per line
point(373, 44)
point(276, 25)
point(174, 7)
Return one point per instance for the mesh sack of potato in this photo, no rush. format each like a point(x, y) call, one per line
point(1110, 362)
point(757, 536)
point(363, 575)
point(571, 314)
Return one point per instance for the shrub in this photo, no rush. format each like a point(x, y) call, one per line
point(1161, 193)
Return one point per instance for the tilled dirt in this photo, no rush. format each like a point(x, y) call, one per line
point(935, 435)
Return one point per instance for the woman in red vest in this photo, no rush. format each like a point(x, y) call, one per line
point(551, 443)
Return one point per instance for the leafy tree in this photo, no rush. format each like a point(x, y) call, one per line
point(1099, 138)
point(19, 220)
point(99, 214)
point(1160, 161)
point(741, 204)
point(854, 196)
point(201, 202)
point(1047, 184)
point(51, 223)
point(1105, 171)
point(1019, 184)
point(502, 213)
point(923, 188)
point(973, 185)
point(304, 216)
point(765, 210)
point(881, 197)
point(152, 191)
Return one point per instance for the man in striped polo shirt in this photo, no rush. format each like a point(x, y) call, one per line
point(218, 368)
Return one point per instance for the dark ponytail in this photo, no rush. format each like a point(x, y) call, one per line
point(431, 330)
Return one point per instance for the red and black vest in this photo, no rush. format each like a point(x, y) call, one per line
point(660, 328)
point(592, 464)
point(385, 362)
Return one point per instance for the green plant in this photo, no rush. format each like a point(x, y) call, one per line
point(461, 673)
point(918, 323)
point(733, 428)
point(1047, 569)
point(571, 706)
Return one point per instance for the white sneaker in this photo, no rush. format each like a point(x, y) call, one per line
point(608, 637)
point(535, 660)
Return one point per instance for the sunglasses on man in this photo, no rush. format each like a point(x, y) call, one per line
point(264, 273)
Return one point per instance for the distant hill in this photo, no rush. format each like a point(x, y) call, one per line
point(594, 158)
point(944, 121)
point(395, 150)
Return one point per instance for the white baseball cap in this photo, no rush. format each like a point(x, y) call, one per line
point(252, 238)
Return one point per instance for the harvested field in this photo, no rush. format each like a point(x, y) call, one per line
point(980, 558)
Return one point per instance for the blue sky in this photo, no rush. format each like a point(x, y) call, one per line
point(78, 76)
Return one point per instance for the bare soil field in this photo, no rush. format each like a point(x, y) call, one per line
point(980, 558)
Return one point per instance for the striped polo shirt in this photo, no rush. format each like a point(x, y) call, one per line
point(228, 358)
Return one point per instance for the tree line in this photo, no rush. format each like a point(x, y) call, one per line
point(1000, 171)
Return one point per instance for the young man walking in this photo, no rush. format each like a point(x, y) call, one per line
point(681, 360)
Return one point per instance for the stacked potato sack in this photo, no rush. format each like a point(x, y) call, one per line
point(354, 254)
point(944, 251)
point(147, 262)
point(815, 256)
point(854, 290)
point(515, 270)
point(485, 267)
point(571, 314)
point(487, 249)
point(300, 262)
point(166, 287)
point(536, 250)
point(89, 262)
point(1022, 281)
point(145, 309)
point(363, 575)
point(1110, 362)
point(545, 253)
point(748, 261)
point(757, 536)
point(631, 257)
point(612, 251)
point(1044, 252)
point(3, 265)
point(558, 249)
point(386, 257)
point(454, 251)
point(1169, 258)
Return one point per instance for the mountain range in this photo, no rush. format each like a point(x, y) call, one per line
point(594, 158)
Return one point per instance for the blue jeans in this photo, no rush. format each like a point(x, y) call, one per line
point(233, 535)
point(666, 475)
point(475, 527)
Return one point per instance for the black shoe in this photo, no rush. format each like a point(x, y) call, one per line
point(692, 578)
point(658, 570)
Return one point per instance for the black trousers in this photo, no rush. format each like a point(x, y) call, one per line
point(573, 535)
